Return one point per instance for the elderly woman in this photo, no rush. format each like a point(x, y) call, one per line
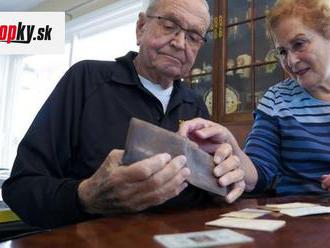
point(289, 146)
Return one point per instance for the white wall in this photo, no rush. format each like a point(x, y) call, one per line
point(75, 8)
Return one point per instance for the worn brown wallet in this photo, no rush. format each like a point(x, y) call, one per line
point(145, 140)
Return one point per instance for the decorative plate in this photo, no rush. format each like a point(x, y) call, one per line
point(232, 100)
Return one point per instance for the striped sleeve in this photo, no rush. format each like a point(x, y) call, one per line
point(262, 146)
point(263, 143)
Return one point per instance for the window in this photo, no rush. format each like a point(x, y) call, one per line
point(27, 81)
point(107, 45)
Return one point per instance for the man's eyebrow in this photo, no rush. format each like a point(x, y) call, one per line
point(178, 21)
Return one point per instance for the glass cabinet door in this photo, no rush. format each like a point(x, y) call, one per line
point(237, 64)
point(238, 69)
point(267, 71)
point(248, 62)
point(200, 78)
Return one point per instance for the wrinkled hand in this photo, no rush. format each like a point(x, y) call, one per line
point(206, 134)
point(229, 172)
point(114, 188)
point(325, 183)
point(216, 139)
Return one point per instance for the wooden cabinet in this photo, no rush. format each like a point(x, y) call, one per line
point(237, 64)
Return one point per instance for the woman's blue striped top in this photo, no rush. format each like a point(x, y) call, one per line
point(290, 140)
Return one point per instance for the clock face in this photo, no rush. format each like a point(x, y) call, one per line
point(208, 100)
point(232, 100)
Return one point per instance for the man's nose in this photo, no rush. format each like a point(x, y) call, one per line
point(179, 40)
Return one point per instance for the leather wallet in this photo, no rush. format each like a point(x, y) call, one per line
point(145, 140)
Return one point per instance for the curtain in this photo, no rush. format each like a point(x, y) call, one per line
point(10, 71)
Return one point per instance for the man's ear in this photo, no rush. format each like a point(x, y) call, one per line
point(140, 26)
point(327, 32)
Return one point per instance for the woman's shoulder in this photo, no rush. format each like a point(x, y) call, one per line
point(286, 87)
point(278, 96)
point(287, 90)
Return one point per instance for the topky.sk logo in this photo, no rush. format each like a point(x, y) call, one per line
point(21, 33)
point(32, 32)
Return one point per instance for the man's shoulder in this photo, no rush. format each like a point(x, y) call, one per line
point(121, 70)
point(121, 65)
point(188, 93)
point(93, 66)
point(186, 89)
point(99, 71)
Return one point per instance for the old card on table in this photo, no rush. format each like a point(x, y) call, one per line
point(252, 224)
point(296, 212)
point(290, 205)
point(202, 239)
point(247, 213)
point(145, 140)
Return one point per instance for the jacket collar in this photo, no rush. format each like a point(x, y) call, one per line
point(125, 73)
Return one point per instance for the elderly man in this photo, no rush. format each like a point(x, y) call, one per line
point(68, 167)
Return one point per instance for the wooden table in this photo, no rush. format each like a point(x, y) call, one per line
point(138, 230)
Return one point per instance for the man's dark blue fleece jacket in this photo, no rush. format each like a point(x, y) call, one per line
point(86, 116)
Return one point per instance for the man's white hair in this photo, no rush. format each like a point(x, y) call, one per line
point(153, 4)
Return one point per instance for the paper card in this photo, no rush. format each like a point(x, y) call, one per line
point(291, 205)
point(260, 225)
point(202, 239)
point(296, 212)
point(247, 213)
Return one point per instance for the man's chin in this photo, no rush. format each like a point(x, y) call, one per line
point(172, 73)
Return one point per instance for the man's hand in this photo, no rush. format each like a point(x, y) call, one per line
point(114, 188)
point(216, 139)
point(228, 171)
